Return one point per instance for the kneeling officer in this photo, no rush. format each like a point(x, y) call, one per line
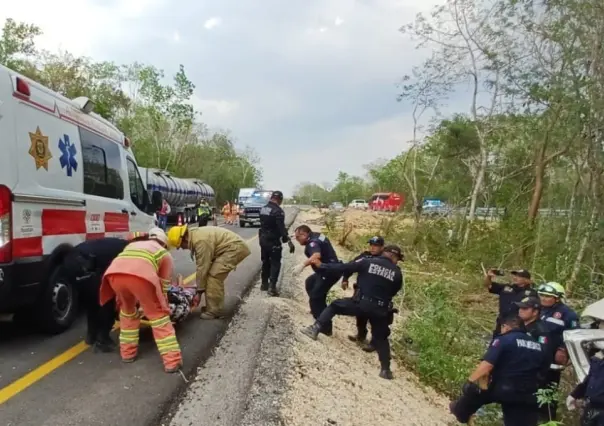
point(379, 280)
point(514, 361)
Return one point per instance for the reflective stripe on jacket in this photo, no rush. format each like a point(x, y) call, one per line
point(145, 259)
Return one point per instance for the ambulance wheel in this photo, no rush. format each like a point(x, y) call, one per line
point(59, 304)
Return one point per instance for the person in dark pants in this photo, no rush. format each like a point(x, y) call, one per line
point(376, 247)
point(591, 390)
point(514, 362)
point(379, 280)
point(559, 317)
point(204, 212)
point(84, 267)
point(318, 247)
point(509, 293)
point(529, 310)
point(271, 235)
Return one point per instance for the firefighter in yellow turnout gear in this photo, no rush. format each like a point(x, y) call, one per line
point(217, 251)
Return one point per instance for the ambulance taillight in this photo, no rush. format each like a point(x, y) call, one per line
point(6, 253)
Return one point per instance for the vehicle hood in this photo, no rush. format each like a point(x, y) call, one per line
point(253, 205)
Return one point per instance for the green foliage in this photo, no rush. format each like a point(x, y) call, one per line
point(156, 114)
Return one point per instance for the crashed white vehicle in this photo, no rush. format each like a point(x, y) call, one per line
point(580, 342)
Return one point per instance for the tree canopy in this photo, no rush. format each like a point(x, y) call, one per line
point(155, 112)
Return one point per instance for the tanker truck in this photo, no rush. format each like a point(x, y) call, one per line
point(181, 194)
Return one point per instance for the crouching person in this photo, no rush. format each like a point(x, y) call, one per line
point(514, 362)
point(591, 390)
point(142, 273)
point(217, 251)
point(379, 280)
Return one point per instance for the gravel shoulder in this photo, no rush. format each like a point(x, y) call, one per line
point(265, 372)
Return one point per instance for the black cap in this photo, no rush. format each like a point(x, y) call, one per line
point(277, 194)
point(529, 302)
point(391, 248)
point(522, 273)
point(376, 241)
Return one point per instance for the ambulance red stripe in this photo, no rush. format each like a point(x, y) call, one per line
point(27, 247)
point(63, 222)
point(116, 222)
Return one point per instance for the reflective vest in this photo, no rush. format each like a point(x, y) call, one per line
point(153, 258)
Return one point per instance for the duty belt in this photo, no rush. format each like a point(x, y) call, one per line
point(379, 302)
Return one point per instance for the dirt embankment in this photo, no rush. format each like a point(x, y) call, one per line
point(300, 382)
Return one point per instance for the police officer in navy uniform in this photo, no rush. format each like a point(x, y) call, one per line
point(271, 235)
point(379, 280)
point(514, 362)
point(376, 247)
point(559, 317)
point(318, 246)
point(84, 267)
point(520, 288)
point(591, 390)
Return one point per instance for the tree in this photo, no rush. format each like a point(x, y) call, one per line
point(17, 43)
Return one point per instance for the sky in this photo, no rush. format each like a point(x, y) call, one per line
point(309, 84)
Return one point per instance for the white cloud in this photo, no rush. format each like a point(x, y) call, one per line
point(212, 23)
point(95, 24)
point(176, 37)
point(339, 21)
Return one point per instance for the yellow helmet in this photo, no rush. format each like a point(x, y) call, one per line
point(175, 235)
point(552, 289)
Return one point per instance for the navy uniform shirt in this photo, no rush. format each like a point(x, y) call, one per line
point(592, 386)
point(364, 255)
point(98, 255)
point(559, 318)
point(378, 278)
point(541, 332)
point(272, 225)
point(508, 295)
point(517, 360)
point(319, 243)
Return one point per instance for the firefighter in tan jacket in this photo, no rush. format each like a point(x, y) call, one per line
point(217, 251)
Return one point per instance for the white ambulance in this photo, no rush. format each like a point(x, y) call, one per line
point(66, 175)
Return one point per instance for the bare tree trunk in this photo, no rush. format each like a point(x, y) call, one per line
point(571, 211)
point(476, 192)
point(581, 253)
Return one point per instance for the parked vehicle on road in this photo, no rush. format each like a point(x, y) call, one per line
point(336, 206)
point(435, 207)
point(249, 214)
point(386, 201)
point(245, 194)
point(358, 204)
point(66, 175)
point(580, 342)
point(181, 194)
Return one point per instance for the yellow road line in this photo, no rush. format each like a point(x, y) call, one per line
point(48, 367)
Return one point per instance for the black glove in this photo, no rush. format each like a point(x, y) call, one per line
point(470, 389)
point(292, 248)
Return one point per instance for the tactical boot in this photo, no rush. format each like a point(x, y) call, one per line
point(368, 347)
point(104, 344)
point(312, 331)
point(386, 374)
point(264, 286)
point(358, 338)
point(90, 339)
point(273, 292)
point(129, 360)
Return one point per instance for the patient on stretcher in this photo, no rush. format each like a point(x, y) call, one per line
point(182, 300)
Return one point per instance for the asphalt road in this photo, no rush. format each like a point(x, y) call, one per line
point(57, 380)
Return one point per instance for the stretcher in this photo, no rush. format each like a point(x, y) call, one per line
point(182, 301)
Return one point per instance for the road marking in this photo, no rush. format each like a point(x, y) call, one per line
point(48, 367)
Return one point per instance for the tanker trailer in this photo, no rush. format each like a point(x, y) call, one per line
point(181, 194)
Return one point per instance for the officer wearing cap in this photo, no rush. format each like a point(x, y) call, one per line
point(271, 235)
point(559, 317)
point(376, 247)
point(509, 293)
point(318, 246)
point(508, 374)
point(379, 280)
